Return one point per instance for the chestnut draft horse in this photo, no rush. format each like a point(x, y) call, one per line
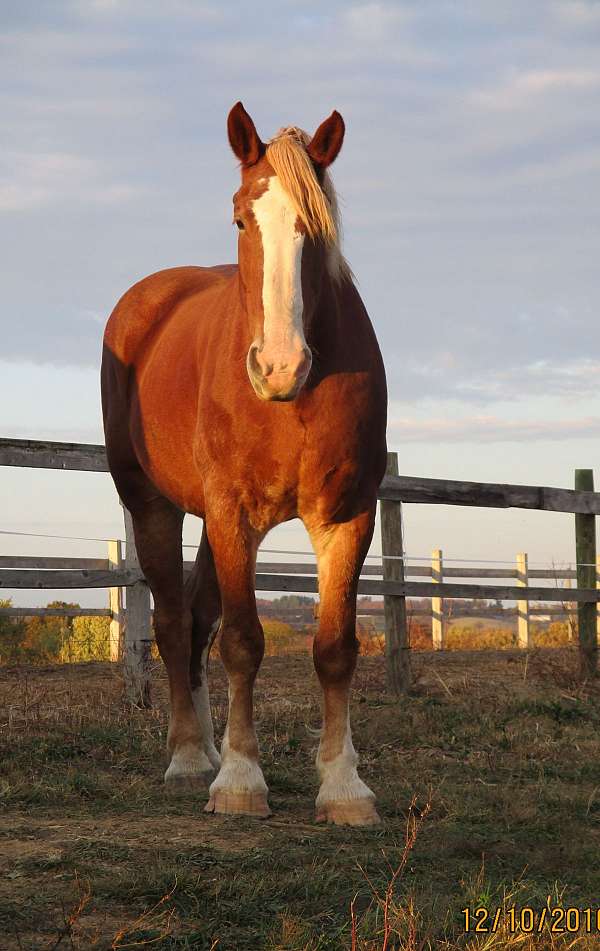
point(249, 395)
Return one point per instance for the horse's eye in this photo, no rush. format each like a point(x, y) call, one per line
point(240, 224)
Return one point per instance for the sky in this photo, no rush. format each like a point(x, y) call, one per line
point(469, 192)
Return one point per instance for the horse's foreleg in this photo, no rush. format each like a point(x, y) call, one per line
point(204, 601)
point(158, 527)
point(341, 548)
point(240, 787)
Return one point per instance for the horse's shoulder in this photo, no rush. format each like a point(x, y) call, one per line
point(152, 299)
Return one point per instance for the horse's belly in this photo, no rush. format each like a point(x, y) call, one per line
point(163, 439)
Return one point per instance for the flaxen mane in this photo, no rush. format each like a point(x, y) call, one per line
point(316, 205)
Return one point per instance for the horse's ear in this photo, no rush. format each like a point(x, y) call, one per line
point(243, 137)
point(327, 140)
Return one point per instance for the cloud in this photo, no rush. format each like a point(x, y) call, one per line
point(581, 14)
point(577, 379)
point(449, 377)
point(520, 89)
point(466, 225)
point(28, 181)
point(373, 22)
point(491, 429)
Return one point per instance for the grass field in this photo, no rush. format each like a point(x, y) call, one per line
point(488, 783)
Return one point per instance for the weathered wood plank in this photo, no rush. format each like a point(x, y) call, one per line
point(560, 610)
point(284, 612)
point(488, 494)
point(394, 488)
point(38, 561)
point(289, 568)
point(555, 573)
point(423, 589)
point(54, 612)
point(21, 578)
point(124, 577)
point(42, 454)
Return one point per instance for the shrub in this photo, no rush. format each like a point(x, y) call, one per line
point(477, 636)
point(281, 638)
point(87, 640)
point(419, 635)
point(557, 634)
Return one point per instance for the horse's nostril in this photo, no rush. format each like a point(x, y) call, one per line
point(264, 366)
point(257, 364)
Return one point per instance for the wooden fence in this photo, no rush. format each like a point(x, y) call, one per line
point(132, 627)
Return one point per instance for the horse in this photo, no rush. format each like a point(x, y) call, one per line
point(250, 394)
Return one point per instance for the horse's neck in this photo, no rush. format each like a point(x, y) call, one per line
point(330, 314)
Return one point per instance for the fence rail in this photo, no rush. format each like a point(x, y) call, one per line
point(388, 579)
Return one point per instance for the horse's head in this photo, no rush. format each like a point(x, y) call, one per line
point(286, 214)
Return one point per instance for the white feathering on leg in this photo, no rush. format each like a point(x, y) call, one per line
point(189, 762)
point(340, 781)
point(238, 773)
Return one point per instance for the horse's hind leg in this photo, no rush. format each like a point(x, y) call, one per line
point(158, 527)
point(204, 600)
point(341, 548)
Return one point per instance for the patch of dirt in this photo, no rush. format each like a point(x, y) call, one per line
point(38, 838)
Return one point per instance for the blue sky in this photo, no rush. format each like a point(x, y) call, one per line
point(469, 184)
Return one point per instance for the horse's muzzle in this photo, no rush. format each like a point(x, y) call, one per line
point(281, 378)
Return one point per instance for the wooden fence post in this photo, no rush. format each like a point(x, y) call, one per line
point(115, 603)
point(523, 627)
point(598, 605)
point(438, 631)
point(138, 637)
point(585, 550)
point(397, 648)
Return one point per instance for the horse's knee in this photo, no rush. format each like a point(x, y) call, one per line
point(242, 647)
point(335, 657)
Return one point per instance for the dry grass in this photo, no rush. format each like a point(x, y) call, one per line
point(487, 776)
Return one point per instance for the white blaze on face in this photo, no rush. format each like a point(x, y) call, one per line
point(283, 333)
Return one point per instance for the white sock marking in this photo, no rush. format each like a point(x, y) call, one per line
point(201, 700)
point(238, 773)
point(340, 781)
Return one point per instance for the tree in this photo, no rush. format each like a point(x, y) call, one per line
point(294, 601)
point(12, 632)
point(45, 636)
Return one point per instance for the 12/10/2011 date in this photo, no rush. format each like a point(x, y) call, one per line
point(531, 920)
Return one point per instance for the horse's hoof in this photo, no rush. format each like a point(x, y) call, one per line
point(352, 812)
point(239, 804)
point(192, 784)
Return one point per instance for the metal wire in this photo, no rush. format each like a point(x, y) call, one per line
point(311, 554)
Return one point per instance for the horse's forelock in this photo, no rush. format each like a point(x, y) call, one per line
point(315, 204)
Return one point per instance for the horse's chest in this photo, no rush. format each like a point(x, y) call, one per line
point(261, 496)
